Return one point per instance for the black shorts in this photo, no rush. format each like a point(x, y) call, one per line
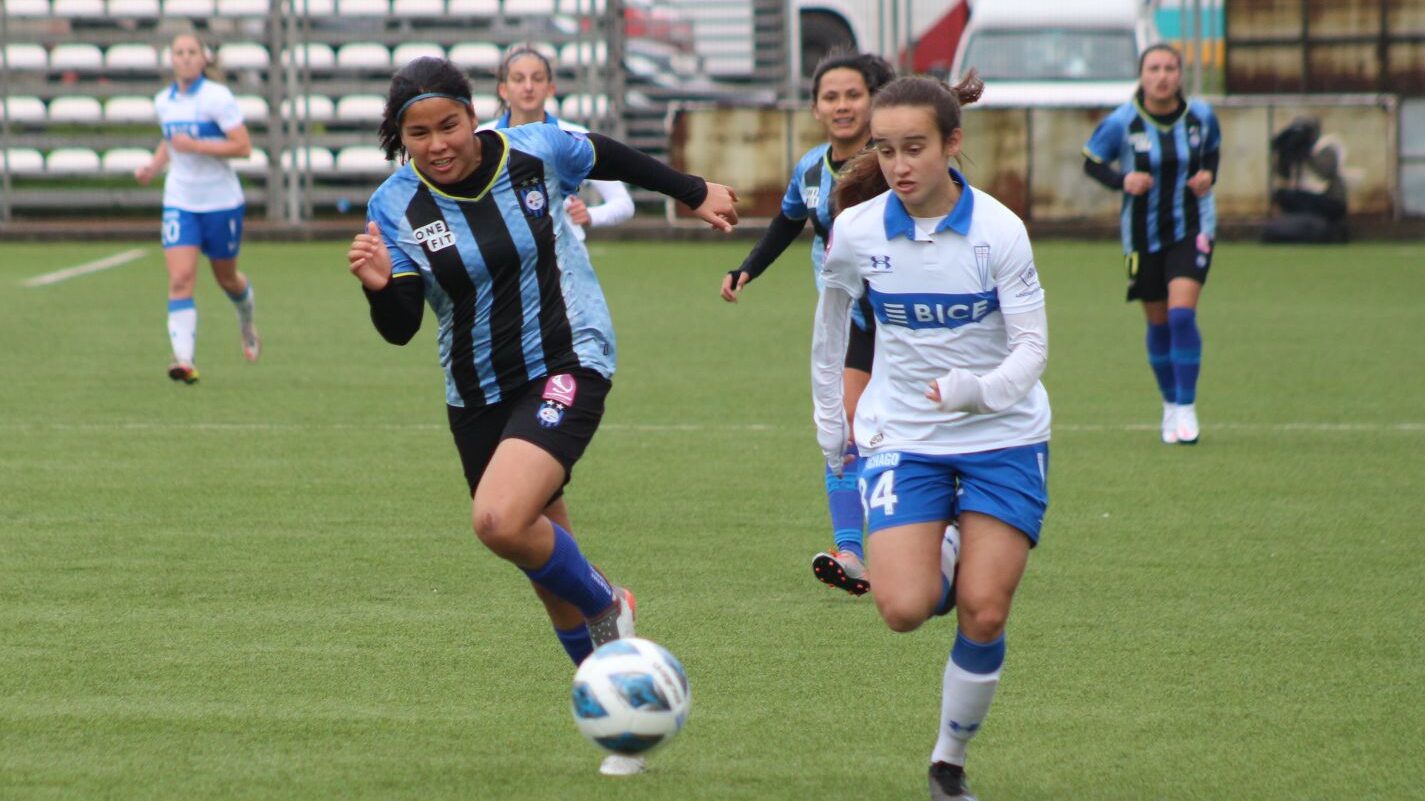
point(559, 414)
point(1149, 273)
point(861, 347)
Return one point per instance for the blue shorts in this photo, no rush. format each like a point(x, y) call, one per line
point(218, 233)
point(1009, 484)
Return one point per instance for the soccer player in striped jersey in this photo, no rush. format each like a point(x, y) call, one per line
point(955, 420)
point(472, 224)
point(525, 81)
point(1167, 149)
point(202, 199)
point(842, 87)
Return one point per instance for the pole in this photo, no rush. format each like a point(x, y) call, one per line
point(5, 117)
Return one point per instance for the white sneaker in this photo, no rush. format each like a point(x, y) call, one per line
point(621, 765)
point(1170, 423)
point(1188, 431)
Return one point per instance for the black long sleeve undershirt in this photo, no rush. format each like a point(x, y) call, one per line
point(618, 162)
point(396, 310)
point(780, 234)
point(1104, 174)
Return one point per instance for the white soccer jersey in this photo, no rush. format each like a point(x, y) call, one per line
point(939, 300)
point(196, 182)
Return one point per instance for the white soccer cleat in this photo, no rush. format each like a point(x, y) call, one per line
point(622, 765)
point(616, 622)
point(1188, 430)
point(1170, 423)
point(251, 342)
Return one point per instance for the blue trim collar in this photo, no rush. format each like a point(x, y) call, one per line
point(173, 90)
point(899, 223)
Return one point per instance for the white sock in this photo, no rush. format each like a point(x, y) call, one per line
point(964, 702)
point(183, 332)
point(245, 304)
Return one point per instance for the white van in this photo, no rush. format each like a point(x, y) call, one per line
point(1056, 52)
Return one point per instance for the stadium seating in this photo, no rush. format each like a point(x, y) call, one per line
point(318, 56)
point(131, 58)
point(314, 8)
point(360, 109)
point(124, 160)
point(317, 108)
point(579, 54)
point(129, 109)
point(25, 161)
point(26, 57)
point(243, 56)
point(76, 110)
point(418, 8)
point(529, 8)
point(254, 164)
point(476, 56)
point(23, 110)
point(196, 9)
point(583, 107)
point(133, 9)
point(72, 161)
point(78, 9)
point(486, 106)
point(364, 56)
point(473, 8)
point(363, 8)
point(79, 57)
point(242, 8)
point(404, 54)
point(27, 8)
point(254, 109)
point(362, 159)
point(320, 158)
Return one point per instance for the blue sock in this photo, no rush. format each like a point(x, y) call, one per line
point(847, 516)
point(1186, 352)
point(1160, 358)
point(977, 657)
point(569, 575)
point(576, 642)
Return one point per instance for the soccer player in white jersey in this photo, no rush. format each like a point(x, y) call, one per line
point(202, 199)
point(954, 415)
point(523, 331)
point(525, 82)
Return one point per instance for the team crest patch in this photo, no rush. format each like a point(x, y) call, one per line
point(434, 236)
point(534, 198)
point(982, 259)
point(559, 393)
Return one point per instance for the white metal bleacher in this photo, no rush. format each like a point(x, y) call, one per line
point(321, 159)
point(254, 164)
point(475, 55)
point(418, 8)
point(76, 111)
point(316, 55)
point(134, 9)
point(365, 56)
point(124, 160)
point(407, 52)
point(242, 8)
point(78, 9)
point(25, 161)
point(131, 58)
point(363, 8)
point(75, 56)
point(72, 161)
point(27, 8)
point(21, 56)
point(129, 109)
point(254, 109)
point(360, 109)
point(363, 159)
point(194, 9)
point(243, 56)
point(23, 110)
point(317, 108)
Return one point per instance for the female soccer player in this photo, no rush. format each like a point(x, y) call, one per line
point(1167, 148)
point(202, 200)
point(525, 81)
point(524, 332)
point(842, 87)
point(959, 310)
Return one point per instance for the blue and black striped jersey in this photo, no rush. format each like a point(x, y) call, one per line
point(1169, 212)
point(512, 287)
point(809, 196)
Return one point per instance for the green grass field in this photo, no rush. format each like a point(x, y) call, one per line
point(265, 586)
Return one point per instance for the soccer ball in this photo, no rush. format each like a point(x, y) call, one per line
point(630, 696)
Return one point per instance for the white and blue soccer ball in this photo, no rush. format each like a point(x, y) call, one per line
point(631, 696)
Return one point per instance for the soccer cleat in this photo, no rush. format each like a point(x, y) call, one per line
point(251, 342)
point(1170, 423)
point(622, 765)
point(187, 373)
point(616, 622)
point(947, 783)
point(842, 570)
point(1188, 431)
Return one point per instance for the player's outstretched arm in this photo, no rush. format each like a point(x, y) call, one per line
point(714, 203)
point(781, 233)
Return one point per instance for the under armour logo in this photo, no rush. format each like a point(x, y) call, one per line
point(880, 264)
point(960, 728)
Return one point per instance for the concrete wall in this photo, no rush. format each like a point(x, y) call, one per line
point(1031, 159)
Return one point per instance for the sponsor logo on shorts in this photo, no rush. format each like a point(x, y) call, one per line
point(561, 389)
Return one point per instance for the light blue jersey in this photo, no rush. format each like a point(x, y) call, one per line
point(513, 289)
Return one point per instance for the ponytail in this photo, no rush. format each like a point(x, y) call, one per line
point(862, 179)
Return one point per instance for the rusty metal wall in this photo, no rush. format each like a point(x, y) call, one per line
point(1326, 46)
point(1032, 159)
